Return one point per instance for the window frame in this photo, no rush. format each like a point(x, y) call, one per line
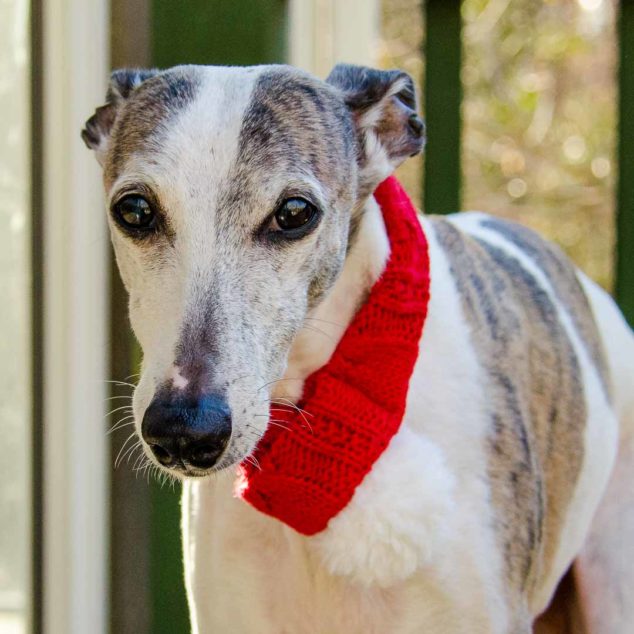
point(70, 66)
point(323, 33)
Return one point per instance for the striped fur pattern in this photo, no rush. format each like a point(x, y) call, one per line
point(512, 287)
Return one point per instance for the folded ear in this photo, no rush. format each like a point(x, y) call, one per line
point(384, 110)
point(97, 130)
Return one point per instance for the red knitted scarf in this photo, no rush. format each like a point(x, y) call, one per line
point(308, 472)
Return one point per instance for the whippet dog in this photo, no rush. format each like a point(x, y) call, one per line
point(515, 457)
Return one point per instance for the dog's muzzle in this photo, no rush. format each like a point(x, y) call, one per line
point(185, 434)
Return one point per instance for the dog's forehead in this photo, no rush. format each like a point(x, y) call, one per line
point(145, 115)
point(292, 121)
point(240, 120)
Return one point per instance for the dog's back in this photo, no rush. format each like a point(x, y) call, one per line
point(559, 391)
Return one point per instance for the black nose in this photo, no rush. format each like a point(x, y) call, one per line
point(186, 433)
point(416, 124)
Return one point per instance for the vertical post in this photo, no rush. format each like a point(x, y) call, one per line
point(624, 287)
point(37, 320)
point(443, 96)
point(75, 62)
point(203, 32)
point(323, 33)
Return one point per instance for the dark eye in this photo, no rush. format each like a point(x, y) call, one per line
point(294, 216)
point(135, 212)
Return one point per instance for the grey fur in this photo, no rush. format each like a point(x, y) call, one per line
point(537, 400)
point(561, 273)
point(139, 104)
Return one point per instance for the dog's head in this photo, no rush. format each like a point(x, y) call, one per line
point(233, 196)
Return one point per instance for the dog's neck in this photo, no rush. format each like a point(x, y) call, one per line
point(326, 324)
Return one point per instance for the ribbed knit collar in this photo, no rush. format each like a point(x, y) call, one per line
point(306, 470)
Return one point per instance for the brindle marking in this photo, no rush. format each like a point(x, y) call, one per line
point(289, 123)
point(139, 104)
point(287, 128)
point(537, 403)
point(144, 118)
point(566, 286)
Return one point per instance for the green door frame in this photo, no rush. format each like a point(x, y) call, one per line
point(624, 277)
point(443, 98)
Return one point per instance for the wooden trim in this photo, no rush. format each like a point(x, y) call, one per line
point(325, 32)
point(130, 42)
point(74, 64)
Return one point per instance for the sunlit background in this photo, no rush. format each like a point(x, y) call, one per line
point(538, 144)
point(539, 115)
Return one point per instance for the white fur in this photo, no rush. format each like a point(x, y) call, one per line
point(178, 380)
point(412, 483)
point(158, 306)
point(363, 265)
point(603, 568)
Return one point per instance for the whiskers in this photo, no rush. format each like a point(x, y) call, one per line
point(319, 331)
point(123, 452)
point(132, 447)
point(127, 416)
point(285, 404)
point(278, 381)
point(252, 460)
point(325, 321)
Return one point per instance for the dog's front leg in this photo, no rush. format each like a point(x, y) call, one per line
point(398, 518)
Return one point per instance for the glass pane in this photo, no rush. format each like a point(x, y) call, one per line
point(14, 317)
point(540, 118)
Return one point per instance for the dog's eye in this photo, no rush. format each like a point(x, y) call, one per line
point(295, 215)
point(135, 212)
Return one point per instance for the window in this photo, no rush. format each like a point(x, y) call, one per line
point(15, 283)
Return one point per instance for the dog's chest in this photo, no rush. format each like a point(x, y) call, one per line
point(262, 577)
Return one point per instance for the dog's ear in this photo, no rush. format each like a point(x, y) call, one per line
point(384, 110)
point(122, 84)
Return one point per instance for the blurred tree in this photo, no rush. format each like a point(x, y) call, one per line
point(539, 113)
point(402, 24)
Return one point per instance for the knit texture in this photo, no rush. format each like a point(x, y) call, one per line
point(309, 465)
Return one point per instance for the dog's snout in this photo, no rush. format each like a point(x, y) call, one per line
point(187, 434)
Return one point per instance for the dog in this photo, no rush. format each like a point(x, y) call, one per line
point(247, 235)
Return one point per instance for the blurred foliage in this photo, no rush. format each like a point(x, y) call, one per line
point(539, 115)
point(401, 47)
